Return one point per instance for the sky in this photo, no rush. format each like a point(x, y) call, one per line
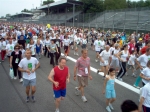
point(15, 6)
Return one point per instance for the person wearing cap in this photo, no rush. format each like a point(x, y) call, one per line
point(143, 50)
point(138, 45)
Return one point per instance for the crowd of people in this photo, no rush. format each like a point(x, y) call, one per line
point(23, 44)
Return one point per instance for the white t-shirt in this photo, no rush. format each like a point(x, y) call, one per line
point(115, 51)
point(47, 42)
point(32, 48)
point(146, 95)
point(97, 44)
point(3, 45)
point(14, 42)
point(23, 53)
point(84, 41)
point(132, 60)
point(102, 44)
point(143, 59)
point(10, 48)
point(146, 73)
point(105, 55)
point(71, 37)
point(77, 40)
point(124, 55)
point(28, 64)
point(66, 42)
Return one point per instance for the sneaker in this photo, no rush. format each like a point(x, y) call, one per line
point(57, 110)
point(108, 109)
point(84, 99)
point(96, 60)
point(120, 79)
point(33, 99)
point(111, 107)
point(77, 54)
point(21, 80)
point(27, 100)
point(15, 78)
point(133, 75)
point(136, 86)
point(77, 91)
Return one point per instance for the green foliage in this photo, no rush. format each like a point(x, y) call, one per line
point(25, 10)
point(8, 15)
point(91, 6)
point(48, 2)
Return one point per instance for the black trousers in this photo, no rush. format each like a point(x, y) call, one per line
point(122, 70)
point(46, 50)
point(15, 69)
point(58, 54)
point(53, 59)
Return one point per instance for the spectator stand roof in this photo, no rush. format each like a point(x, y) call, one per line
point(60, 4)
point(22, 14)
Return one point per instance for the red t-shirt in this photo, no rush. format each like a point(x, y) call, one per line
point(143, 50)
point(60, 76)
point(131, 47)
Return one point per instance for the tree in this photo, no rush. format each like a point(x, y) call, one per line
point(25, 10)
point(2, 17)
point(115, 4)
point(90, 6)
point(8, 15)
point(48, 2)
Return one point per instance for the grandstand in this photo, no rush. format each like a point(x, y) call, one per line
point(65, 13)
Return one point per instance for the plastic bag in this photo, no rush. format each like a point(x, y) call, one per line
point(11, 73)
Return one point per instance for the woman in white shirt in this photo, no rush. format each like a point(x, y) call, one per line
point(66, 43)
point(31, 46)
point(47, 44)
point(3, 48)
point(123, 57)
point(77, 41)
point(145, 74)
point(145, 95)
point(84, 42)
point(105, 60)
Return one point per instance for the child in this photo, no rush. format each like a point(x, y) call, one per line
point(109, 89)
point(131, 63)
point(84, 42)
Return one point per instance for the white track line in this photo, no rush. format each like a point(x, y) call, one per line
point(117, 81)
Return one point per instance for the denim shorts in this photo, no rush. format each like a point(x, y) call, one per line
point(27, 82)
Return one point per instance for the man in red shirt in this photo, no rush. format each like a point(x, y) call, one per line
point(83, 67)
point(131, 46)
point(58, 76)
point(143, 50)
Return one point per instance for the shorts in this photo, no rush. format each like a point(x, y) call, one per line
point(66, 49)
point(130, 66)
point(114, 63)
point(60, 93)
point(27, 82)
point(100, 51)
point(110, 94)
point(146, 109)
point(71, 43)
point(103, 65)
point(83, 46)
point(82, 80)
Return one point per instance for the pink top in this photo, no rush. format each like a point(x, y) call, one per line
point(81, 64)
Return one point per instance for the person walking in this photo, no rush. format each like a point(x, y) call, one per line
point(59, 75)
point(15, 58)
point(38, 49)
point(123, 57)
point(83, 67)
point(28, 66)
point(109, 89)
